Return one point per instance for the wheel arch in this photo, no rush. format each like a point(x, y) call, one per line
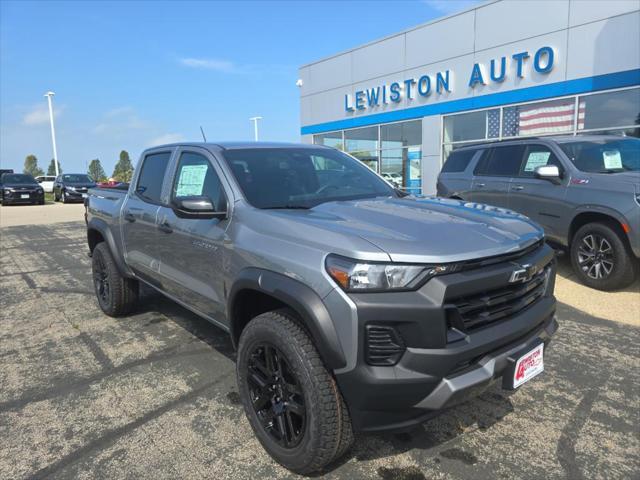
point(257, 291)
point(607, 217)
point(98, 231)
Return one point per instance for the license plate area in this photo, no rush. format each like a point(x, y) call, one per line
point(524, 365)
point(24, 195)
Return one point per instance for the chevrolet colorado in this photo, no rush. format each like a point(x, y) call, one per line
point(353, 306)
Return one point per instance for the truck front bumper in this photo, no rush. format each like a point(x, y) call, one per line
point(439, 366)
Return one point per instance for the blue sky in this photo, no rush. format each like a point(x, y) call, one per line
point(128, 75)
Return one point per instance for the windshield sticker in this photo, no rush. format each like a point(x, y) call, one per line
point(191, 180)
point(535, 160)
point(612, 159)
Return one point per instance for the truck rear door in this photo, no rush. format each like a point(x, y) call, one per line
point(494, 173)
point(139, 216)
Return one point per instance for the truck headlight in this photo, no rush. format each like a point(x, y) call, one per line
point(360, 276)
point(8, 190)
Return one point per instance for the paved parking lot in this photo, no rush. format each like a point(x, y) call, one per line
point(153, 395)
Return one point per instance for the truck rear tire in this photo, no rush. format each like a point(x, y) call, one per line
point(292, 402)
point(116, 294)
point(600, 257)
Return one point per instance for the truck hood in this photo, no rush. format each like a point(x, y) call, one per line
point(424, 230)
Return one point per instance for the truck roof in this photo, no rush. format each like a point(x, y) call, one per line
point(239, 145)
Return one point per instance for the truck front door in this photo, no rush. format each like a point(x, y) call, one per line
point(139, 217)
point(192, 250)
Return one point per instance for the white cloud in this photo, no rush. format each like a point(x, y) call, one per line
point(218, 65)
point(447, 7)
point(39, 115)
point(166, 138)
point(119, 120)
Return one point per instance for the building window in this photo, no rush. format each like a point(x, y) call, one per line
point(393, 150)
point(332, 139)
point(614, 112)
point(611, 109)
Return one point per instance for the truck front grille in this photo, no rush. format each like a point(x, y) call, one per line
point(384, 345)
point(468, 313)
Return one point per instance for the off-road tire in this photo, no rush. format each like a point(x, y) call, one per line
point(328, 433)
point(624, 268)
point(123, 292)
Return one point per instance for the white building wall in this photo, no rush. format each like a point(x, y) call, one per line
point(589, 38)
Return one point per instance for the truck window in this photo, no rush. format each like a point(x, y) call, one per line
point(501, 161)
point(537, 156)
point(458, 161)
point(149, 185)
point(195, 176)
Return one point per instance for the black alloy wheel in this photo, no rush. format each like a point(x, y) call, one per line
point(276, 395)
point(596, 256)
point(101, 281)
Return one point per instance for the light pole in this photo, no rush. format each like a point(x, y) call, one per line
point(49, 95)
point(255, 126)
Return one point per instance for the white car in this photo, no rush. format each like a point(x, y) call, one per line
point(46, 182)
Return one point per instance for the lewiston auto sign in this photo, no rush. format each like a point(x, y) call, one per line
point(440, 82)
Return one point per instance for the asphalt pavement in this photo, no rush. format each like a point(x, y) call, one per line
point(153, 395)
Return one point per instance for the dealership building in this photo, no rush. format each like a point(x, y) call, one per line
point(503, 69)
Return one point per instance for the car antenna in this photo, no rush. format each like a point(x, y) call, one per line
point(202, 132)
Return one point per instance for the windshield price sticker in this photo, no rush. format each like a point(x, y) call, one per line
point(191, 181)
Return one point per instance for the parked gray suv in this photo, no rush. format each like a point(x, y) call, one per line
point(353, 306)
point(583, 190)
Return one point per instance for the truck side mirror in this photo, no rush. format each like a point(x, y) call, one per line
point(548, 172)
point(196, 207)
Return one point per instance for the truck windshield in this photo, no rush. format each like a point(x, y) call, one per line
point(18, 179)
point(302, 177)
point(77, 178)
point(604, 156)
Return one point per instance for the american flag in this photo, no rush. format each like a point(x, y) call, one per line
point(535, 119)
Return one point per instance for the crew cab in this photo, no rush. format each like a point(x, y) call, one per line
point(353, 306)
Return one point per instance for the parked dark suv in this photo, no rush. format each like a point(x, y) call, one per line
point(584, 191)
point(20, 188)
point(72, 187)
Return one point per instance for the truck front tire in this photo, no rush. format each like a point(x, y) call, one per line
point(600, 258)
point(292, 402)
point(116, 294)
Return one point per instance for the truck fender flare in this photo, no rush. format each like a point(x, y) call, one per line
point(308, 305)
point(102, 227)
point(609, 212)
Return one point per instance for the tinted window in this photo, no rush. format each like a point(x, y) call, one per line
point(611, 109)
point(18, 178)
point(196, 177)
point(458, 161)
point(76, 178)
point(501, 161)
point(538, 156)
point(302, 177)
point(604, 156)
point(152, 173)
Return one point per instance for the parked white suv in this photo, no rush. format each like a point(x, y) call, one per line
point(46, 182)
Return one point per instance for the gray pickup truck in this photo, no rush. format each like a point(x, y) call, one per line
point(353, 306)
point(583, 190)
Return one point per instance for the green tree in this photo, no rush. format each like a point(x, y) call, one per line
point(96, 171)
point(123, 170)
point(31, 166)
point(51, 170)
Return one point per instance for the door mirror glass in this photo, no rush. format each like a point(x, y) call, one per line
point(196, 207)
point(548, 172)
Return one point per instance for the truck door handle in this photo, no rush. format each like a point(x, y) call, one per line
point(517, 187)
point(480, 185)
point(129, 217)
point(165, 227)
